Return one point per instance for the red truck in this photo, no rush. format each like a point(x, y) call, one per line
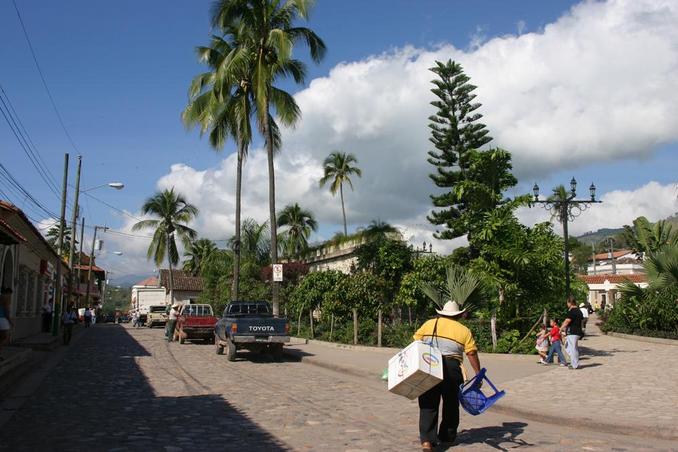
point(195, 322)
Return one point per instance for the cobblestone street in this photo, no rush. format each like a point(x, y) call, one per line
point(119, 388)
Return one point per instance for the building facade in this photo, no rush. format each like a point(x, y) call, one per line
point(186, 289)
point(29, 268)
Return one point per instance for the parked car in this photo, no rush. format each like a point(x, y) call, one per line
point(195, 321)
point(250, 325)
point(157, 316)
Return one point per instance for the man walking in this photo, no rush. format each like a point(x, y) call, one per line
point(68, 319)
point(572, 326)
point(585, 316)
point(172, 322)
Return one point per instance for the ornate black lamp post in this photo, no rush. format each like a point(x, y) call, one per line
point(566, 209)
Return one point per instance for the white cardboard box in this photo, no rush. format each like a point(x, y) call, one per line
point(414, 370)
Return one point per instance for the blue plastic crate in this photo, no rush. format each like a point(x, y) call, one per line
point(472, 399)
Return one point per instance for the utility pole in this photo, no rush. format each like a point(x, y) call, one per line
point(58, 300)
point(82, 240)
point(74, 220)
point(91, 263)
point(593, 247)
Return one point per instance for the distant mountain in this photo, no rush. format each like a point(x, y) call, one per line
point(128, 280)
point(599, 235)
point(592, 238)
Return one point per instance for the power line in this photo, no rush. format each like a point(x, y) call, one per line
point(42, 77)
point(22, 137)
point(20, 189)
point(111, 206)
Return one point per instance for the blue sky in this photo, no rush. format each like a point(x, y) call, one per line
point(119, 71)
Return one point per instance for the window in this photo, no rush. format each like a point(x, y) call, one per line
point(21, 290)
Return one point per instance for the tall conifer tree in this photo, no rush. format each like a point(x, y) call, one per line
point(475, 180)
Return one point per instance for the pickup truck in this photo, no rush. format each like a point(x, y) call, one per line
point(195, 321)
point(250, 325)
point(157, 315)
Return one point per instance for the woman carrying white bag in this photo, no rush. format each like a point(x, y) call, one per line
point(453, 339)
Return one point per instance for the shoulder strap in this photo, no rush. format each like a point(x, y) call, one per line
point(435, 332)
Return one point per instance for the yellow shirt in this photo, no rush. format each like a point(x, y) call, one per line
point(452, 338)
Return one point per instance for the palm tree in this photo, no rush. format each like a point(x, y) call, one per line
point(255, 245)
point(300, 223)
point(338, 169)
point(646, 238)
point(197, 253)
point(378, 230)
point(172, 212)
point(268, 34)
point(461, 286)
point(53, 239)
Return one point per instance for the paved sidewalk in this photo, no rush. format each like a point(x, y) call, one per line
point(622, 386)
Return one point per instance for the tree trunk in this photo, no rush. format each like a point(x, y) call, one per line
point(355, 326)
point(409, 313)
point(271, 206)
point(343, 210)
point(493, 330)
point(310, 316)
point(171, 275)
point(236, 246)
point(331, 327)
point(301, 311)
point(379, 329)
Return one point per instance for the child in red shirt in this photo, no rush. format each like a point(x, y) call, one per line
point(554, 335)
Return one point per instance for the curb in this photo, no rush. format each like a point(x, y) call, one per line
point(651, 340)
point(356, 372)
point(337, 345)
point(661, 432)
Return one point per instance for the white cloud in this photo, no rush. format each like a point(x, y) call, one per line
point(597, 85)
point(619, 207)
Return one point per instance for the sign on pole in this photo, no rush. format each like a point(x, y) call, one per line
point(277, 272)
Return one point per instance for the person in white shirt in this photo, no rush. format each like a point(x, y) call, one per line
point(172, 322)
point(584, 312)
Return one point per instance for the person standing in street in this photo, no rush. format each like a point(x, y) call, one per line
point(554, 337)
point(47, 315)
point(68, 320)
point(453, 339)
point(172, 322)
point(87, 317)
point(572, 326)
point(585, 317)
point(5, 320)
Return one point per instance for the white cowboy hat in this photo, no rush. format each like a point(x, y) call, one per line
point(582, 305)
point(176, 305)
point(450, 309)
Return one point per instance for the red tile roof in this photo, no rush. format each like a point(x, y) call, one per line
point(617, 254)
point(182, 280)
point(12, 232)
point(150, 281)
point(95, 268)
point(613, 279)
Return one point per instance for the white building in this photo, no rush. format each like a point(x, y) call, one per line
point(604, 289)
point(621, 262)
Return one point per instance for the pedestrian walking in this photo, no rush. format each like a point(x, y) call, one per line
point(87, 317)
point(47, 315)
point(585, 317)
point(172, 322)
point(68, 320)
point(556, 345)
point(5, 320)
point(453, 339)
point(542, 344)
point(572, 327)
point(135, 319)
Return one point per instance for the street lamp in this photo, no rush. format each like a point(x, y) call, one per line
point(115, 185)
point(566, 210)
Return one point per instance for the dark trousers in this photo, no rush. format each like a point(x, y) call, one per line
point(429, 403)
point(171, 325)
point(68, 333)
point(46, 322)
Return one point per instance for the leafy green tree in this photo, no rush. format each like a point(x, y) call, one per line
point(255, 244)
point(316, 291)
point(299, 224)
point(217, 272)
point(645, 237)
point(363, 293)
point(652, 310)
point(197, 253)
point(172, 213)
point(378, 230)
point(267, 34)
point(339, 167)
point(53, 239)
point(430, 270)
